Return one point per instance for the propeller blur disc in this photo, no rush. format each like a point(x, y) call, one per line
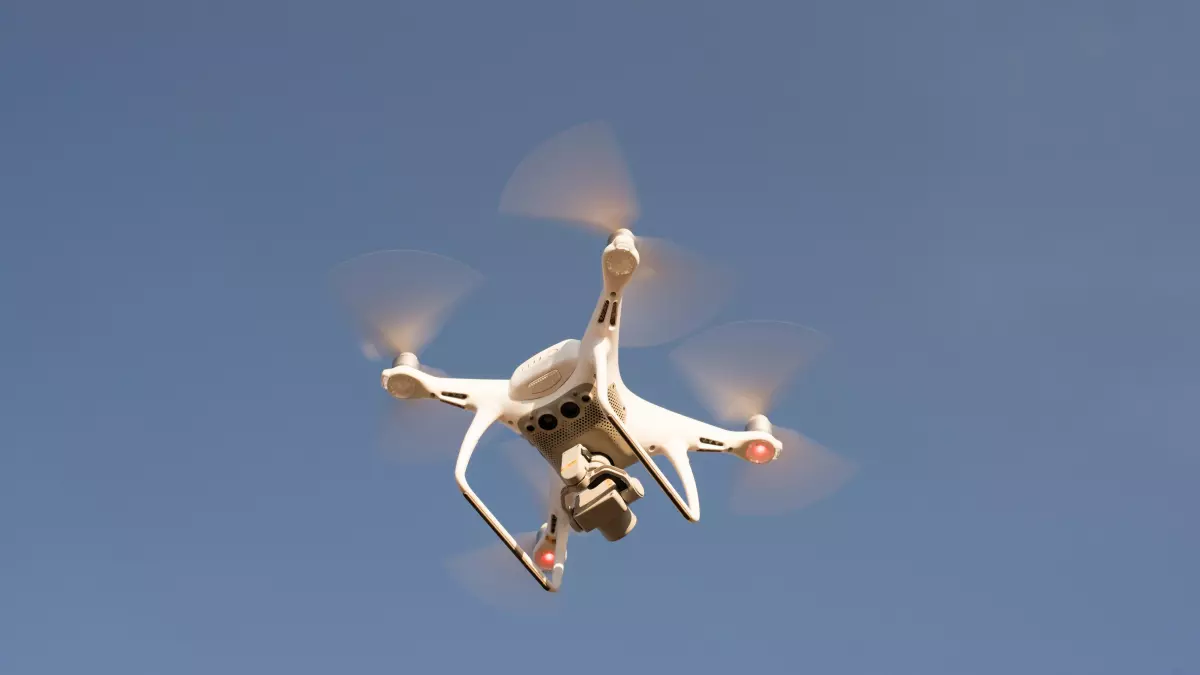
point(804, 473)
point(737, 369)
point(401, 298)
point(421, 430)
point(579, 176)
point(495, 577)
point(673, 293)
point(535, 471)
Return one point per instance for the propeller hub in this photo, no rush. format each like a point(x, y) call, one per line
point(759, 423)
point(623, 234)
point(406, 359)
point(621, 262)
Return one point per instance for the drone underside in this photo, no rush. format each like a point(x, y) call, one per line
point(569, 401)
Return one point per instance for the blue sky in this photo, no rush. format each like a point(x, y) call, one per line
point(990, 208)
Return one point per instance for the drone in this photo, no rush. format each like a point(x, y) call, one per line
point(569, 401)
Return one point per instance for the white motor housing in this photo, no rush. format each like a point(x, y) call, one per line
point(544, 372)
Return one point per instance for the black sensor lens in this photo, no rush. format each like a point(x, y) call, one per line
point(569, 410)
point(547, 421)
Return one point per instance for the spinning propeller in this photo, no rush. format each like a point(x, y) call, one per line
point(580, 177)
point(737, 370)
point(400, 300)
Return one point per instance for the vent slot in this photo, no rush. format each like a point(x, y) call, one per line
point(709, 441)
point(603, 312)
point(454, 394)
point(612, 318)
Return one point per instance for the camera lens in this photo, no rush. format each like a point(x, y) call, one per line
point(569, 410)
point(547, 422)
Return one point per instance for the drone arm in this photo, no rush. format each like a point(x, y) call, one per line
point(689, 509)
point(677, 454)
point(483, 419)
point(407, 382)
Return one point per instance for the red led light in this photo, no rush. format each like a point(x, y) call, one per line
point(760, 452)
point(546, 559)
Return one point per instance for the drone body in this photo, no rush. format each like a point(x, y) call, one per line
point(569, 401)
point(572, 394)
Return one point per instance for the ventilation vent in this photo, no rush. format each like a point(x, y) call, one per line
point(552, 444)
point(614, 400)
point(603, 312)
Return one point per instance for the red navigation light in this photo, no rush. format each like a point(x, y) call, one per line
point(760, 452)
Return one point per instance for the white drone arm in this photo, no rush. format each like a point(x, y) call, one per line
point(677, 453)
point(484, 418)
point(407, 381)
point(689, 509)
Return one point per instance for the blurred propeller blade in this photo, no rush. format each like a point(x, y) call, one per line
point(422, 430)
point(737, 369)
point(673, 293)
point(535, 471)
point(804, 474)
point(401, 298)
point(578, 176)
point(495, 577)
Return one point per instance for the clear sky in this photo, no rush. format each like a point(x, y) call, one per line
point(989, 208)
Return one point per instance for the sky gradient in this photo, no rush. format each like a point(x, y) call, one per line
point(990, 209)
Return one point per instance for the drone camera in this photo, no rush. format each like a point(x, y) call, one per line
point(602, 508)
point(597, 494)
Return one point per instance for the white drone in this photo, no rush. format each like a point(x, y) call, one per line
point(569, 400)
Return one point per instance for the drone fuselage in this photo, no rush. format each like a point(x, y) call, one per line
point(572, 393)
